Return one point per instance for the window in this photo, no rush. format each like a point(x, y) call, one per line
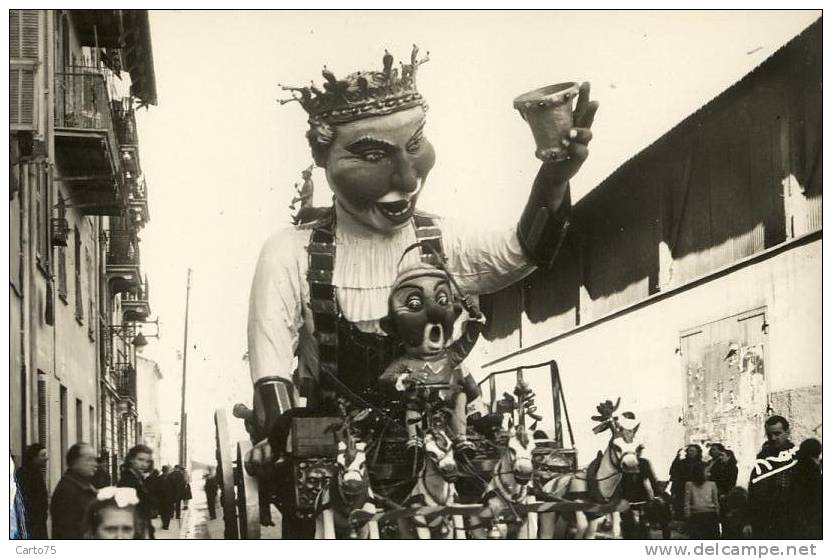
point(23, 51)
point(64, 434)
point(90, 290)
point(91, 438)
point(79, 420)
point(62, 293)
point(79, 303)
point(24, 412)
point(43, 404)
point(42, 216)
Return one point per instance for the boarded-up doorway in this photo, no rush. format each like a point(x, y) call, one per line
point(726, 387)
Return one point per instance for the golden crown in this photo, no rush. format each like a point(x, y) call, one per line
point(361, 94)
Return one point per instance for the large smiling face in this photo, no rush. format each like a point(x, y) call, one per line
point(377, 167)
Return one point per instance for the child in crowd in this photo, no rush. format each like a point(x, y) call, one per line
point(114, 515)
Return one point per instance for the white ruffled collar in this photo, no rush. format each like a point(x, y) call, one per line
point(366, 264)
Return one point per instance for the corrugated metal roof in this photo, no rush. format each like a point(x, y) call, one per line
point(814, 28)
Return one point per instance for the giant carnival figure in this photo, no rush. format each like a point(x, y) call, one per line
point(321, 287)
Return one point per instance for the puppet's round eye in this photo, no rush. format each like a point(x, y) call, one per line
point(442, 299)
point(414, 303)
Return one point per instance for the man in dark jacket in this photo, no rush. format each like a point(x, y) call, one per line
point(164, 497)
point(74, 493)
point(32, 488)
point(808, 489)
point(136, 464)
point(176, 482)
point(772, 509)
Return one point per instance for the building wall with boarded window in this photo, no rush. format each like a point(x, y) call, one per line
point(718, 217)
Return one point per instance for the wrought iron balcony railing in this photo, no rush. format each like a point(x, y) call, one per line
point(135, 303)
point(82, 100)
point(126, 375)
point(123, 261)
point(125, 122)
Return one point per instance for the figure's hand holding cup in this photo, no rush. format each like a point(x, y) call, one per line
point(561, 133)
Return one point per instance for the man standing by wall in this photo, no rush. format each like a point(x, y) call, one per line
point(74, 493)
point(32, 487)
point(772, 509)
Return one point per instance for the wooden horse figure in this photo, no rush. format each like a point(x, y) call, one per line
point(599, 482)
point(434, 488)
point(509, 488)
point(347, 491)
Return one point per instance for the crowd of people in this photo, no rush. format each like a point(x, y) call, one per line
point(781, 500)
point(88, 503)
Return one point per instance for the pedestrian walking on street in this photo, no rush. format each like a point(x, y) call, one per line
point(681, 472)
point(771, 504)
point(152, 481)
point(33, 490)
point(808, 489)
point(74, 493)
point(176, 482)
point(187, 495)
point(102, 476)
point(165, 497)
point(115, 515)
point(701, 506)
point(211, 487)
point(136, 465)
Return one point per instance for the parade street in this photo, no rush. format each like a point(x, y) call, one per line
point(503, 318)
point(195, 523)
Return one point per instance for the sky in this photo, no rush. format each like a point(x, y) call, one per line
point(221, 156)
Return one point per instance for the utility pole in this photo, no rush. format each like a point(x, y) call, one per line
point(183, 419)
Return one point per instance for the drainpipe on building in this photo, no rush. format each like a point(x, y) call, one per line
point(48, 166)
point(98, 414)
point(25, 334)
point(49, 138)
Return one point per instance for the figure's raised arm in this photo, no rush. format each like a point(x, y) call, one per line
point(545, 219)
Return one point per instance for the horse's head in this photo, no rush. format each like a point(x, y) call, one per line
point(623, 429)
point(623, 442)
point(352, 470)
point(519, 454)
point(439, 451)
point(351, 459)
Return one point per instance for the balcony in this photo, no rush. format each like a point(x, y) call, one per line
point(135, 304)
point(126, 375)
point(123, 263)
point(137, 201)
point(86, 147)
point(124, 120)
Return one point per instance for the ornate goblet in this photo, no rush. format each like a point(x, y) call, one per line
point(548, 111)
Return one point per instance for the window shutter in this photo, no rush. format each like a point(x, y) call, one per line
point(24, 33)
point(24, 27)
point(22, 91)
